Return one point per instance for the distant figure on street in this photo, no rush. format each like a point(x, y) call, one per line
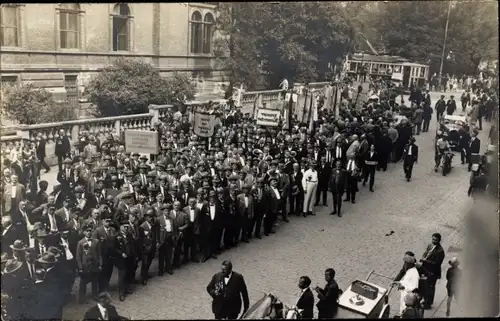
point(306, 298)
point(228, 288)
point(440, 107)
point(451, 106)
point(40, 153)
point(63, 147)
point(410, 157)
point(453, 275)
point(327, 304)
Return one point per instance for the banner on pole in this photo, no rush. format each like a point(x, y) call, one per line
point(204, 124)
point(141, 141)
point(268, 117)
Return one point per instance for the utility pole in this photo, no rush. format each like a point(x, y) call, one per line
point(440, 76)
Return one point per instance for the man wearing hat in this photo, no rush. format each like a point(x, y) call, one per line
point(89, 262)
point(192, 231)
point(147, 240)
point(246, 213)
point(409, 281)
point(103, 310)
point(53, 304)
point(105, 234)
point(63, 147)
point(124, 259)
point(66, 175)
point(410, 157)
point(212, 226)
point(166, 236)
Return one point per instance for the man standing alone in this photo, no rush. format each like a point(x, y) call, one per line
point(228, 288)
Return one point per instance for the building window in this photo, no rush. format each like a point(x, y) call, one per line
point(69, 26)
point(121, 27)
point(196, 33)
point(9, 26)
point(208, 23)
point(71, 86)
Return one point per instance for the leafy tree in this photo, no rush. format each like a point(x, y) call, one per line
point(295, 40)
point(31, 105)
point(130, 86)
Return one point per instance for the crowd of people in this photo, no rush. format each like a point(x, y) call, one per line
point(116, 210)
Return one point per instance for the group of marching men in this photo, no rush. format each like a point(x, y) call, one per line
point(119, 210)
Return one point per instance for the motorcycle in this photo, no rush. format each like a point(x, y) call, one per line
point(446, 163)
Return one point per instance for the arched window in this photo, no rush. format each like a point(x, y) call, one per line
point(69, 25)
point(208, 23)
point(196, 33)
point(121, 27)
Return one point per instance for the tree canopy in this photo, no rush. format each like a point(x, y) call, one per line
point(130, 86)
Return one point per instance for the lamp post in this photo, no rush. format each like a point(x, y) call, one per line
point(440, 76)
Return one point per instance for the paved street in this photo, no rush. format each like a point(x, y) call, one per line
point(354, 244)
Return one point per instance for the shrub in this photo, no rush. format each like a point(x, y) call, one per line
point(31, 105)
point(129, 86)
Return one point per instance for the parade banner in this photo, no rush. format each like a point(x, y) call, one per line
point(141, 141)
point(268, 117)
point(204, 124)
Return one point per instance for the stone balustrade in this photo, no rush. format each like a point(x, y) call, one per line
point(101, 127)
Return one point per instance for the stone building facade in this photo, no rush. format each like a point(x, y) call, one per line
point(60, 46)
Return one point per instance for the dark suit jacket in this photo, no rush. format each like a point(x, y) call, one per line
point(306, 303)
point(105, 240)
point(337, 181)
point(94, 314)
point(368, 158)
point(228, 299)
point(432, 260)
point(194, 226)
point(324, 171)
point(88, 259)
point(475, 146)
point(328, 305)
point(414, 155)
point(215, 224)
point(296, 181)
point(40, 149)
point(63, 146)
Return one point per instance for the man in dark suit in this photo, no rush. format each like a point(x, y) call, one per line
point(192, 231)
point(181, 222)
point(306, 299)
point(104, 310)
point(228, 288)
point(105, 234)
point(327, 304)
point(40, 153)
point(166, 238)
point(88, 262)
point(63, 147)
point(337, 187)
point(245, 212)
point(212, 226)
point(324, 170)
point(430, 264)
point(148, 237)
point(474, 147)
point(410, 157)
point(125, 253)
point(370, 166)
point(273, 204)
point(297, 190)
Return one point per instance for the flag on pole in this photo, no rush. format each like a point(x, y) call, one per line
point(290, 111)
point(237, 93)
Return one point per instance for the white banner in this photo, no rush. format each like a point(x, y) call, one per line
point(141, 141)
point(204, 124)
point(268, 117)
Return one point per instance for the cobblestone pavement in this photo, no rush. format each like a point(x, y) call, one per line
point(354, 244)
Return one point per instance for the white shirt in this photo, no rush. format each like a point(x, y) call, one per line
point(226, 279)
point(212, 212)
point(246, 201)
point(104, 312)
point(66, 211)
point(168, 225)
point(6, 230)
point(351, 165)
point(13, 191)
point(191, 215)
point(69, 255)
point(53, 223)
point(276, 192)
point(199, 206)
point(409, 150)
point(310, 176)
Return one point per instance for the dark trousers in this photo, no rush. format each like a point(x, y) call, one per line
point(244, 228)
point(257, 220)
point(165, 252)
point(464, 105)
point(43, 164)
point(418, 127)
point(321, 190)
point(408, 166)
point(382, 162)
point(105, 274)
point(480, 120)
point(430, 291)
point(439, 115)
point(226, 316)
point(425, 125)
point(296, 202)
point(284, 212)
point(60, 159)
point(337, 201)
point(191, 242)
point(86, 278)
point(351, 188)
point(177, 250)
point(146, 259)
point(230, 232)
point(123, 273)
point(369, 173)
point(269, 221)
